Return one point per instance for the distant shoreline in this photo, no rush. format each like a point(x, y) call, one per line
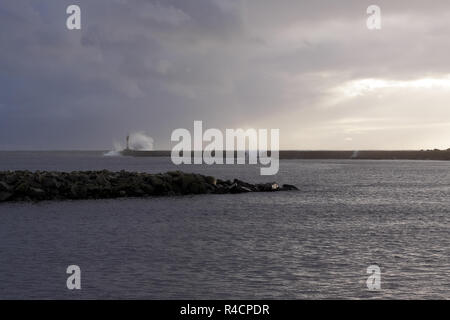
point(333, 155)
point(437, 155)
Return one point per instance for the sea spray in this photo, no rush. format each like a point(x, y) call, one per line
point(137, 141)
point(140, 141)
point(115, 152)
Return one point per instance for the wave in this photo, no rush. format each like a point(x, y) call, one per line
point(112, 153)
point(137, 141)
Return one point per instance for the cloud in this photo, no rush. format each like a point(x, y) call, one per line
point(159, 65)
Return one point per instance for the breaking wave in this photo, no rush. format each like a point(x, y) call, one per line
point(138, 141)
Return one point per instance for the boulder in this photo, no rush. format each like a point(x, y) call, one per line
point(268, 187)
point(175, 173)
point(246, 185)
point(197, 188)
point(237, 188)
point(50, 182)
point(211, 180)
point(148, 189)
point(11, 179)
point(101, 180)
point(37, 193)
point(4, 186)
point(187, 179)
point(22, 188)
point(288, 187)
point(156, 181)
point(5, 195)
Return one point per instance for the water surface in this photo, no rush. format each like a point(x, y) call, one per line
point(315, 243)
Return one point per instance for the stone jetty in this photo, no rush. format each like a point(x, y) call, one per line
point(44, 185)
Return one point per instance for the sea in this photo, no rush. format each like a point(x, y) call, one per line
point(315, 243)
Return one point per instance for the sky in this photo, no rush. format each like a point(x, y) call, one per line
point(309, 68)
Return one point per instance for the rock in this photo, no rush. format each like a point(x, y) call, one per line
point(158, 185)
point(197, 188)
point(236, 188)
point(167, 179)
point(148, 189)
point(178, 181)
point(175, 173)
point(93, 190)
point(211, 188)
point(49, 182)
point(5, 195)
point(155, 181)
point(100, 179)
point(37, 193)
point(246, 185)
point(22, 188)
point(40, 185)
point(4, 186)
point(11, 179)
point(187, 180)
point(78, 192)
point(211, 180)
point(138, 192)
point(268, 187)
point(288, 187)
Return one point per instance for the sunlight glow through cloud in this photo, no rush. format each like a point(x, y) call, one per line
point(360, 87)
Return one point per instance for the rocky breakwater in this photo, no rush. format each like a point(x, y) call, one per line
point(38, 186)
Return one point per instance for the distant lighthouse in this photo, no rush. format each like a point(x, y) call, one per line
point(128, 142)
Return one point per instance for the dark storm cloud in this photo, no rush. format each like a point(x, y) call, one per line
point(159, 65)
